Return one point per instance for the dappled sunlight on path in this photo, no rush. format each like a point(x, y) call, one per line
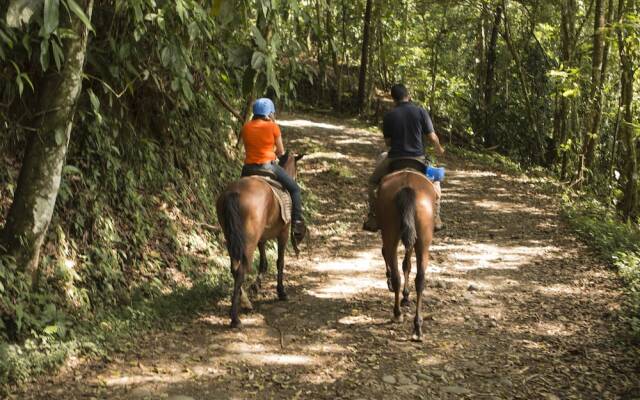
point(514, 307)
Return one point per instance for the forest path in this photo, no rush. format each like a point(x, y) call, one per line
point(515, 306)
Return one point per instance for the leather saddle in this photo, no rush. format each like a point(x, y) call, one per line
point(401, 163)
point(283, 197)
point(270, 177)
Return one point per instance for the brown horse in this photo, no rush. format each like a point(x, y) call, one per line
point(250, 214)
point(405, 210)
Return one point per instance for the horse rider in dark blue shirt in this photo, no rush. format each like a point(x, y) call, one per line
point(405, 130)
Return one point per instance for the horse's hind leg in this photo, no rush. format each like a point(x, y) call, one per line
point(238, 272)
point(262, 270)
point(390, 251)
point(406, 269)
point(282, 245)
point(387, 271)
point(422, 258)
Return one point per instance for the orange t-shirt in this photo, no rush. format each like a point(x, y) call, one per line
point(259, 137)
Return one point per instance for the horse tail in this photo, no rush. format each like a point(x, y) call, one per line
point(406, 205)
point(233, 226)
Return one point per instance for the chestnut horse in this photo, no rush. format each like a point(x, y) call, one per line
point(405, 211)
point(250, 214)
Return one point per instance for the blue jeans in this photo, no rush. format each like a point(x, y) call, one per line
point(287, 181)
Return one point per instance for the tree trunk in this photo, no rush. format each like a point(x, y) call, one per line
point(41, 171)
point(567, 35)
point(364, 60)
point(595, 95)
point(531, 116)
point(337, 70)
point(630, 199)
point(322, 65)
point(489, 88)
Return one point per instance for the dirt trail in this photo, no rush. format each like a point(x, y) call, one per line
point(515, 306)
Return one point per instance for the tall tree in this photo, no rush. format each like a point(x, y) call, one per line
point(595, 93)
point(562, 124)
point(532, 118)
point(489, 84)
point(41, 171)
point(629, 205)
point(364, 59)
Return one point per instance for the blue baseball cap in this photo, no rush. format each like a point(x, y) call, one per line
point(263, 107)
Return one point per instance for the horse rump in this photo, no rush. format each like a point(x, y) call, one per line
point(233, 225)
point(405, 201)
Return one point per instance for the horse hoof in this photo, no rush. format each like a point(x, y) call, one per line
point(282, 296)
point(405, 302)
point(397, 319)
point(416, 338)
point(235, 324)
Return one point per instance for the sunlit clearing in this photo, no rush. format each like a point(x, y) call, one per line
point(553, 329)
point(275, 359)
point(473, 173)
point(324, 154)
point(242, 348)
point(351, 280)
point(325, 348)
point(503, 206)
point(430, 361)
point(481, 255)
point(559, 289)
point(346, 287)
point(364, 261)
point(303, 123)
point(361, 320)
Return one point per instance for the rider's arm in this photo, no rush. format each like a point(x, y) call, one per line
point(429, 132)
point(433, 138)
point(279, 146)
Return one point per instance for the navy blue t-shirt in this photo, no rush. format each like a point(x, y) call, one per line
point(405, 125)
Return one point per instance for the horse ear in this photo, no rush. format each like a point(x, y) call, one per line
point(299, 157)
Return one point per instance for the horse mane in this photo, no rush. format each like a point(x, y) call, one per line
point(282, 160)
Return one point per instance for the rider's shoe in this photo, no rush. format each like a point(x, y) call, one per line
point(299, 230)
point(371, 224)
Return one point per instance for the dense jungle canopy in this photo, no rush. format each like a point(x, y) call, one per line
point(119, 125)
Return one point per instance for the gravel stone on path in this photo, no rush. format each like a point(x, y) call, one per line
point(390, 379)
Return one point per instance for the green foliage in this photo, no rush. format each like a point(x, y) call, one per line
point(150, 151)
point(490, 158)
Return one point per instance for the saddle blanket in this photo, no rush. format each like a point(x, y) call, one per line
point(283, 197)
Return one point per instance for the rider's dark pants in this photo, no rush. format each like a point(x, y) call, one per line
point(284, 178)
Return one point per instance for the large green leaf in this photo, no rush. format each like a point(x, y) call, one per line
point(51, 16)
point(260, 41)
point(44, 54)
point(79, 12)
point(257, 61)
